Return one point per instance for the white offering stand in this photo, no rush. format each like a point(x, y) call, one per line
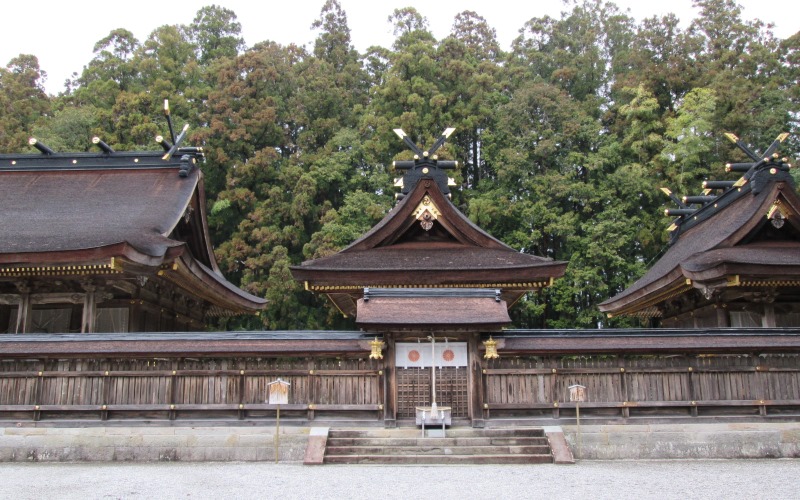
point(433, 414)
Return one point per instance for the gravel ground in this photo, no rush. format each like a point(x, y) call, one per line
point(724, 479)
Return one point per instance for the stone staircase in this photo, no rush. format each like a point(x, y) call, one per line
point(459, 446)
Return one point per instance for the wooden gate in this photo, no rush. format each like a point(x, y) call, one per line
point(414, 389)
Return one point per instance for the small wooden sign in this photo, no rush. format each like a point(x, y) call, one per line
point(577, 393)
point(278, 392)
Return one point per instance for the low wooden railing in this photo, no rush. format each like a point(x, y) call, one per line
point(634, 386)
point(75, 391)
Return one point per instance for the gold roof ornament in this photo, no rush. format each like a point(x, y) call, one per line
point(491, 349)
point(426, 212)
point(777, 214)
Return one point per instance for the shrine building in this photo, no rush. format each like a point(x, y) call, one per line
point(108, 242)
point(426, 274)
point(734, 255)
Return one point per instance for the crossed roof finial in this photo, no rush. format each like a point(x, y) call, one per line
point(424, 164)
point(756, 174)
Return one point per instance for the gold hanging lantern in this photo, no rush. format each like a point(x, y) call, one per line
point(377, 348)
point(491, 349)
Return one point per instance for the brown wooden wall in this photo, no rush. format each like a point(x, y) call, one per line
point(74, 380)
point(234, 387)
point(645, 386)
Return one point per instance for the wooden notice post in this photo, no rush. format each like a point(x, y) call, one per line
point(577, 393)
point(278, 395)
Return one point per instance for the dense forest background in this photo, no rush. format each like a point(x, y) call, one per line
point(563, 141)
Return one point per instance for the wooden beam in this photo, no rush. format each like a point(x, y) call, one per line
point(657, 344)
point(475, 382)
point(390, 381)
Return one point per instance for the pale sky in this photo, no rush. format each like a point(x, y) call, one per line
point(62, 33)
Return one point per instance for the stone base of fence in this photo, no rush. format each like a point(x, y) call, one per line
point(150, 444)
point(685, 441)
point(32, 443)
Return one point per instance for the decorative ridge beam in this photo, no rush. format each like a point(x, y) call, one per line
point(756, 175)
point(41, 147)
point(359, 288)
point(108, 159)
point(140, 160)
point(718, 184)
point(102, 145)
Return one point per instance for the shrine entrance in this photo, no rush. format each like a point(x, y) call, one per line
point(424, 272)
point(414, 362)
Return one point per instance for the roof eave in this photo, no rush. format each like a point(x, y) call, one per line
point(74, 257)
point(199, 280)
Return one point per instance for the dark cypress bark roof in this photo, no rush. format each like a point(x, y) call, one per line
point(454, 247)
point(725, 239)
point(451, 253)
point(421, 308)
point(65, 211)
point(135, 208)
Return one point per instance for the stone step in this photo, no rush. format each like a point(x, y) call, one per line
point(438, 450)
point(438, 459)
point(451, 432)
point(446, 441)
point(459, 446)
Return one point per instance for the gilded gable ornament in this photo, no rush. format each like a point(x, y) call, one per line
point(426, 212)
point(777, 214)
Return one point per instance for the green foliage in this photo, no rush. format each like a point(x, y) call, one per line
point(692, 133)
point(215, 34)
point(563, 142)
point(70, 129)
point(23, 103)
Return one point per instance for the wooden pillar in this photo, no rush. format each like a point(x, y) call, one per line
point(25, 309)
point(475, 381)
point(242, 390)
point(312, 390)
point(173, 389)
point(723, 319)
point(89, 308)
point(623, 381)
point(137, 321)
point(390, 383)
point(692, 383)
point(768, 319)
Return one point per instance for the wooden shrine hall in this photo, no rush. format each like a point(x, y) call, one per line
point(426, 273)
point(108, 242)
point(734, 257)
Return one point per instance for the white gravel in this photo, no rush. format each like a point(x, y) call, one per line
point(723, 479)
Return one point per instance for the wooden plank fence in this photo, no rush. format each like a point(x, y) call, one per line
point(525, 387)
point(643, 386)
point(187, 388)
